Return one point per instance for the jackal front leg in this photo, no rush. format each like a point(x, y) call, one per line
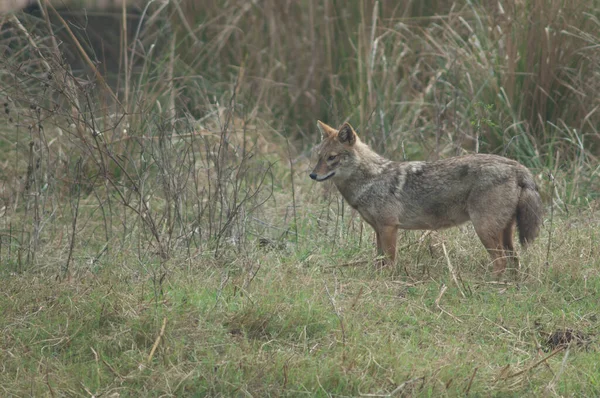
point(379, 262)
point(388, 235)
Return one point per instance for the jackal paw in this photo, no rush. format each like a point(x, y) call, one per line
point(381, 263)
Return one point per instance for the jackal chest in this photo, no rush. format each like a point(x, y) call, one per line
point(379, 212)
point(373, 201)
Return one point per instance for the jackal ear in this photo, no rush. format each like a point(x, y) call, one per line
point(347, 135)
point(326, 130)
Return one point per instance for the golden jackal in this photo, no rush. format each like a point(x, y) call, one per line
point(494, 192)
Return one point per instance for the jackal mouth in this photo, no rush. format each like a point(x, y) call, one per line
point(321, 179)
point(328, 176)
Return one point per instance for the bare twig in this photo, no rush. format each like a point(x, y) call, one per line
point(97, 365)
point(471, 381)
point(158, 338)
point(74, 224)
point(402, 386)
point(437, 303)
point(452, 271)
point(87, 59)
point(112, 370)
point(20, 26)
point(396, 390)
point(356, 298)
point(527, 369)
point(552, 383)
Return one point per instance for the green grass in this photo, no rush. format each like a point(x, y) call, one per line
point(314, 327)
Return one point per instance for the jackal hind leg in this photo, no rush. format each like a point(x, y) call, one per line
point(492, 211)
point(492, 238)
point(509, 247)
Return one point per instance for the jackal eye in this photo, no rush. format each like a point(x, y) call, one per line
point(332, 157)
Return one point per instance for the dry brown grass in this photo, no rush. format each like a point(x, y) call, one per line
point(410, 73)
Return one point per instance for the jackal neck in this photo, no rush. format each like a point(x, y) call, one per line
point(368, 163)
point(365, 166)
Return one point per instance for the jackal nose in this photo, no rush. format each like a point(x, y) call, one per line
point(313, 176)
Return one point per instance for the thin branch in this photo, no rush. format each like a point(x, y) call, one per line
point(158, 339)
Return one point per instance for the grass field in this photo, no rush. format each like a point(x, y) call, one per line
point(303, 321)
point(159, 234)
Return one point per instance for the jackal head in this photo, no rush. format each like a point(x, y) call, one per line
point(335, 151)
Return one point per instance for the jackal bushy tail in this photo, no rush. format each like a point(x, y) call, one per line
point(529, 211)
